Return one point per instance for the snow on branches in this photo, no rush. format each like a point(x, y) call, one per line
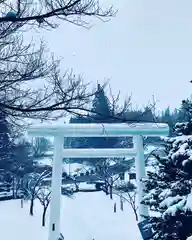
point(168, 190)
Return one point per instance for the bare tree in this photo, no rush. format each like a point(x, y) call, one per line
point(117, 110)
point(34, 187)
point(44, 197)
point(104, 173)
point(21, 69)
point(128, 193)
point(108, 171)
point(40, 146)
point(111, 171)
point(23, 65)
point(130, 197)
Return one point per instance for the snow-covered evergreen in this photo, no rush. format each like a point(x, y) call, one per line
point(168, 189)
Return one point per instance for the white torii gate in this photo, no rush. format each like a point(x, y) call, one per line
point(94, 130)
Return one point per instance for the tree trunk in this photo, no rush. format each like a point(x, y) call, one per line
point(106, 188)
point(111, 191)
point(16, 187)
point(136, 215)
point(31, 206)
point(121, 204)
point(13, 186)
point(21, 202)
point(115, 208)
point(43, 216)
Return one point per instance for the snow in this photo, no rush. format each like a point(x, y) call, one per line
point(87, 186)
point(44, 161)
point(181, 151)
point(170, 201)
point(150, 148)
point(189, 202)
point(69, 167)
point(87, 216)
point(171, 211)
point(50, 153)
point(182, 147)
point(179, 138)
point(6, 194)
point(165, 193)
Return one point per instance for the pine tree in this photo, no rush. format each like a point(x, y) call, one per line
point(168, 189)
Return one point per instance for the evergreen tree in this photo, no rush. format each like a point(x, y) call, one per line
point(21, 165)
point(185, 111)
point(5, 142)
point(81, 142)
point(167, 117)
point(78, 142)
point(147, 115)
point(101, 107)
point(22, 159)
point(101, 114)
point(168, 189)
point(14, 155)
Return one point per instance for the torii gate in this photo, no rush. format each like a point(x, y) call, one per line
point(136, 130)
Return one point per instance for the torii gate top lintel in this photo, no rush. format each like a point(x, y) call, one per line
point(99, 129)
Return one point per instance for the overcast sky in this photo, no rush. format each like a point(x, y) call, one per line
point(146, 49)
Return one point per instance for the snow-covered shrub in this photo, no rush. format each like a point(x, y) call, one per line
point(168, 190)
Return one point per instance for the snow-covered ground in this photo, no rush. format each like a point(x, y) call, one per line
point(86, 217)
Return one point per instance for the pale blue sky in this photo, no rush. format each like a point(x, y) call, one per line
point(146, 49)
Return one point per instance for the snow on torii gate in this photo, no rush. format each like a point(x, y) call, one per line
point(136, 130)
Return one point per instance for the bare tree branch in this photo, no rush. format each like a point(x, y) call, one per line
point(42, 12)
point(24, 66)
